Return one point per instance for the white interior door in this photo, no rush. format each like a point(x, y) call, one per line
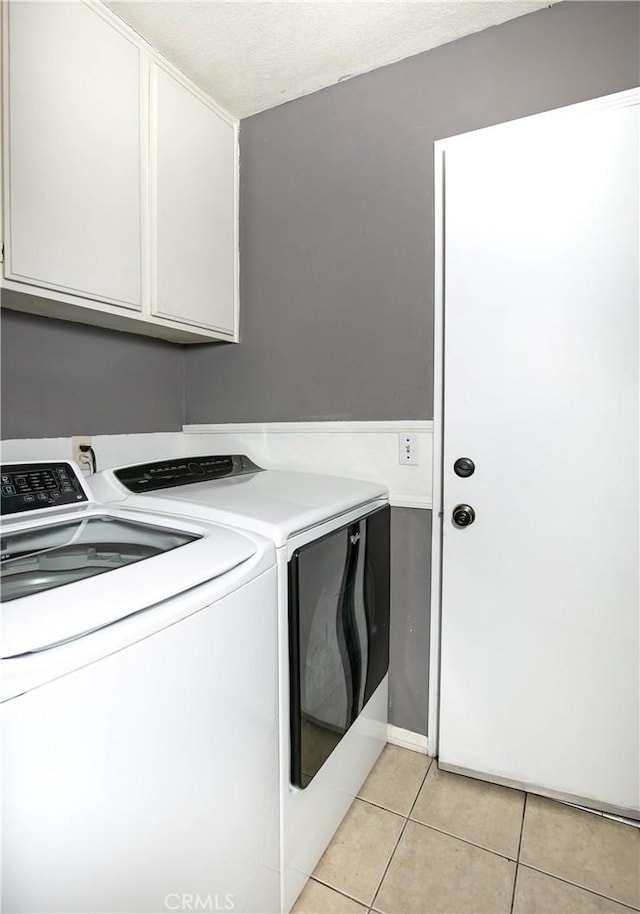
point(539, 650)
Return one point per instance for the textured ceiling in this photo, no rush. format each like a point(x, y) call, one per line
point(254, 55)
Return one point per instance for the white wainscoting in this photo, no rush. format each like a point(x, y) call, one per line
point(111, 450)
point(362, 450)
point(118, 450)
point(36, 449)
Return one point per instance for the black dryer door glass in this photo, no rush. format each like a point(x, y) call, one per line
point(338, 636)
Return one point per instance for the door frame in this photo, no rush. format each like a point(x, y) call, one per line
point(626, 98)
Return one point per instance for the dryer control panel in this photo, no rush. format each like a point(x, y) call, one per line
point(35, 486)
point(182, 471)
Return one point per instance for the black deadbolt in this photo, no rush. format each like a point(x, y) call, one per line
point(463, 515)
point(464, 466)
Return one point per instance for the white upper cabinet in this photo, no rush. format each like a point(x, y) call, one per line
point(120, 184)
point(74, 153)
point(193, 222)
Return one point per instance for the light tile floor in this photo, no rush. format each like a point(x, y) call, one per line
point(423, 841)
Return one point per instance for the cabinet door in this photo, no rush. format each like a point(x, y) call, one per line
point(193, 215)
point(74, 153)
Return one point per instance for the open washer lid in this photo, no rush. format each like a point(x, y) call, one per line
point(65, 573)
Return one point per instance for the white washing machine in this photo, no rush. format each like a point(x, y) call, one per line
point(138, 695)
point(332, 541)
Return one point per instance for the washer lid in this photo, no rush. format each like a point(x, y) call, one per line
point(61, 580)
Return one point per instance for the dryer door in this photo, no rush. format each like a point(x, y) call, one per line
point(338, 635)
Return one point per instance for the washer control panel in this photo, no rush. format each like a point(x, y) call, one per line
point(35, 486)
point(182, 471)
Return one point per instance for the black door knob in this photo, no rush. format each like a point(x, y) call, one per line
point(464, 466)
point(463, 515)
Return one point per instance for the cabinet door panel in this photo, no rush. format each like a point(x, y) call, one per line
point(194, 220)
point(74, 152)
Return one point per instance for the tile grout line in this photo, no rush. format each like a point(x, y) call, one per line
point(515, 859)
point(577, 885)
point(515, 875)
point(482, 847)
point(448, 834)
point(553, 875)
point(370, 907)
point(379, 806)
point(402, 831)
point(394, 812)
point(339, 891)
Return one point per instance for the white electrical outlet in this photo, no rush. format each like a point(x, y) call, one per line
point(408, 450)
point(82, 459)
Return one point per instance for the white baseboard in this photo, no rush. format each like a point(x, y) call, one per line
point(407, 739)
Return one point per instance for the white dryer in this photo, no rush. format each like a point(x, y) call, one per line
point(138, 696)
point(332, 540)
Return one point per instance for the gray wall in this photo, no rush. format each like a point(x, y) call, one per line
point(61, 379)
point(337, 216)
point(409, 635)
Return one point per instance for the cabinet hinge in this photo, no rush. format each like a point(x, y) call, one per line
point(2, 253)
